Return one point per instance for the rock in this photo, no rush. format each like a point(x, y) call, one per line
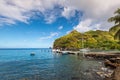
point(115, 60)
point(101, 74)
point(104, 69)
point(115, 75)
point(110, 64)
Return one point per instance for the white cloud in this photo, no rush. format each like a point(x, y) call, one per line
point(96, 10)
point(83, 26)
point(68, 12)
point(87, 25)
point(18, 10)
point(52, 34)
point(23, 10)
point(60, 27)
point(6, 21)
point(96, 27)
point(50, 19)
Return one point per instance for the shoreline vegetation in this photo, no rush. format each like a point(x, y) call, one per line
point(98, 40)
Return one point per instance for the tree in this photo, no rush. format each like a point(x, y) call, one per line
point(116, 19)
point(91, 39)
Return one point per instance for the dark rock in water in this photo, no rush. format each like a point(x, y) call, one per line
point(115, 60)
point(110, 64)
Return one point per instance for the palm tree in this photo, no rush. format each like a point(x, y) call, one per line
point(116, 19)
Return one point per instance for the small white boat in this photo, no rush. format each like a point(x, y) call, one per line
point(55, 50)
point(64, 52)
point(84, 50)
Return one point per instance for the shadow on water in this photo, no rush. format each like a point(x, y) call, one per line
point(52, 67)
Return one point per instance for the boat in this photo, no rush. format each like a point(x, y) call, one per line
point(84, 50)
point(64, 52)
point(56, 50)
point(32, 54)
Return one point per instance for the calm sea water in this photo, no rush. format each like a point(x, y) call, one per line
point(17, 64)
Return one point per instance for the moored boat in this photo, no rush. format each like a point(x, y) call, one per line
point(32, 54)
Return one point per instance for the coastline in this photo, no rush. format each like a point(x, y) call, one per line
point(111, 61)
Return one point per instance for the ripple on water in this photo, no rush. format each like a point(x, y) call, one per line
point(52, 67)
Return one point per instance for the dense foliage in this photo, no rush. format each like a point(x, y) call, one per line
point(91, 39)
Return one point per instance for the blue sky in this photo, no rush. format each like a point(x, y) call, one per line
point(37, 23)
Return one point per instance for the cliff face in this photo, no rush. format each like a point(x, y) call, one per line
point(91, 39)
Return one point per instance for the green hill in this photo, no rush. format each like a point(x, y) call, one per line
point(92, 39)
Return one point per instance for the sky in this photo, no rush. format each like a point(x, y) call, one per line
point(37, 23)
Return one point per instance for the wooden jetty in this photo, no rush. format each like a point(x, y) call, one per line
point(88, 54)
point(68, 52)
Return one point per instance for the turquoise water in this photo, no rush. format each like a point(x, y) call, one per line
point(17, 64)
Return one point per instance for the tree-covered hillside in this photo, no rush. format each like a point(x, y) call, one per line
point(91, 39)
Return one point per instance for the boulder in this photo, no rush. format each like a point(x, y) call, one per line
point(115, 75)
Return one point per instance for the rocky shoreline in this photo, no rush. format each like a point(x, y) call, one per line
point(111, 71)
point(113, 64)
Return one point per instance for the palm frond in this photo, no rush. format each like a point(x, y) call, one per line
point(116, 18)
point(111, 19)
point(117, 11)
point(117, 35)
point(113, 28)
